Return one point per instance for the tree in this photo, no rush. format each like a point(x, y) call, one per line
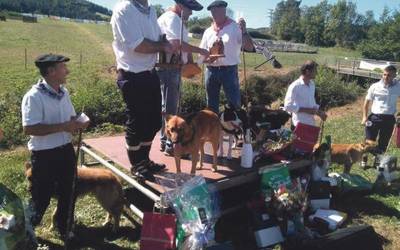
point(286, 20)
point(344, 26)
point(383, 39)
point(159, 9)
point(313, 23)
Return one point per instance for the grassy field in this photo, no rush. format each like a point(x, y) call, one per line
point(92, 42)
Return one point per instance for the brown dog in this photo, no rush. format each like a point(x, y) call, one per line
point(100, 182)
point(345, 154)
point(189, 136)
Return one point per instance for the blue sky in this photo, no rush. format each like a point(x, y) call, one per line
point(256, 11)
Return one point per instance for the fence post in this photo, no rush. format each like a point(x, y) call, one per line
point(26, 59)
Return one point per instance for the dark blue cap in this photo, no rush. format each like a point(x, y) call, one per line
point(49, 59)
point(217, 3)
point(190, 4)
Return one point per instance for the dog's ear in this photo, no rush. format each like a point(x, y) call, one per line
point(167, 117)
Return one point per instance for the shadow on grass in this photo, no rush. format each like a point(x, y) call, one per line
point(357, 205)
point(97, 238)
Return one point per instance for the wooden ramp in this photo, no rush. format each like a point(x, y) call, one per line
point(110, 152)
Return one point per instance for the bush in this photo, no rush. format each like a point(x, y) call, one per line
point(259, 35)
point(101, 101)
point(332, 91)
point(265, 90)
point(193, 97)
point(196, 29)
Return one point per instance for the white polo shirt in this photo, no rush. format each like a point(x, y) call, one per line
point(38, 107)
point(231, 35)
point(170, 25)
point(384, 98)
point(300, 95)
point(130, 27)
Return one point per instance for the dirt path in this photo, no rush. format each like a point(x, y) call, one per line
point(351, 109)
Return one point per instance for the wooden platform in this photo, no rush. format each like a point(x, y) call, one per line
point(229, 173)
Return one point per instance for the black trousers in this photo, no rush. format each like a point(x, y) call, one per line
point(381, 125)
point(52, 174)
point(142, 96)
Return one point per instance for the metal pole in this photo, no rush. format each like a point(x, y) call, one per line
point(70, 218)
point(26, 59)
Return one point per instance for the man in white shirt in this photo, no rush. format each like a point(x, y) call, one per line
point(382, 98)
point(300, 97)
point(224, 71)
point(171, 23)
point(49, 118)
point(136, 43)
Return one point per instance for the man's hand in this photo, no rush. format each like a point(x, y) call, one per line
point(73, 125)
point(322, 115)
point(242, 25)
point(204, 53)
point(364, 120)
point(169, 48)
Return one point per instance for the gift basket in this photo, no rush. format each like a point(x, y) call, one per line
point(196, 207)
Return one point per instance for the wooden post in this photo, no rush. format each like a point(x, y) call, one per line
point(26, 59)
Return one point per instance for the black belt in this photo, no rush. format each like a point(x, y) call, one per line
point(383, 115)
point(124, 72)
point(62, 147)
point(220, 67)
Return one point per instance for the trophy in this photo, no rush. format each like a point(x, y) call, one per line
point(217, 49)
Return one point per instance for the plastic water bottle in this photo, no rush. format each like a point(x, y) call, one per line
point(247, 152)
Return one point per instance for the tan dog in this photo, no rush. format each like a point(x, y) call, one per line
point(100, 182)
point(189, 136)
point(345, 154)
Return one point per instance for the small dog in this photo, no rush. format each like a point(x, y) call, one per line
point(234, 123)
point(345, 154)
point(263, 122)
point(100, 182)
point(189, 136)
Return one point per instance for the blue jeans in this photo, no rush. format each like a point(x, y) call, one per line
point(227, 77)
point(170, 93)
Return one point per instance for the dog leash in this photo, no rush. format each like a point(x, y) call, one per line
point(70, 217)
point(321, 134)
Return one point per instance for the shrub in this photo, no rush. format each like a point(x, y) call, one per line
point(259, 35)
point(332, 91)
point(101, 101)
point(193, 97)
point(265, 90)
point(196, 29)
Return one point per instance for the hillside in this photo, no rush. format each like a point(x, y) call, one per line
point(80, 9)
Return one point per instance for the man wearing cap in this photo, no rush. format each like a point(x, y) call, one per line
point(224, 71)
point(136, 43)
point(171, 24)
point(49, 118)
